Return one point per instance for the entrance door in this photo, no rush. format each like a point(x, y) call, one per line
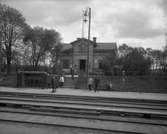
point(82, 65)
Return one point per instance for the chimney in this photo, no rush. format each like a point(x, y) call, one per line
point(94, 39)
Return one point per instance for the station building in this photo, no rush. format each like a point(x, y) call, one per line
point(85, 55)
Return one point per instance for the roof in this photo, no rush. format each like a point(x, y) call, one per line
point(66, 46)
point(106, 46)
point(100, 46)
point(83, 40)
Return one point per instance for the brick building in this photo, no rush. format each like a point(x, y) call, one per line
point(76, 54)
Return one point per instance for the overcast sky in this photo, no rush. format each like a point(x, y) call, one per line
point(135, 22)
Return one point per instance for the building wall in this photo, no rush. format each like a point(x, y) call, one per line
point(80, 54)
point(66, 62)
point(97, 61)
point(98, 57)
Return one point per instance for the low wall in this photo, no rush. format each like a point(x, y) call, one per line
point(136, 83)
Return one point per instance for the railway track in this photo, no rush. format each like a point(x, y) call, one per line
point(79, 106)
point(81, 98)
point(113, 115)
point(119, 125)
point(101, 105)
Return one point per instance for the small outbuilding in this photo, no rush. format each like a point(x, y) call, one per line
point(32, 79)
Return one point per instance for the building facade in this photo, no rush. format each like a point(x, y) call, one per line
point(84, 55)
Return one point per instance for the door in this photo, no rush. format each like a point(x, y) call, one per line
point(82, 65)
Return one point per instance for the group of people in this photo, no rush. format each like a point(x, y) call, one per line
point(94, 83)
point(57, 81)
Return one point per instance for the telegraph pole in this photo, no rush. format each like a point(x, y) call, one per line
point(89, 22)
point(89, 13)
point(87, 17)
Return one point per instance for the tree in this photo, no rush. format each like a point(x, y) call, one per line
point(136, 63)
point(108, 63)
point(164, 58)
point(55, 56)
point(40, 43)
point(124, 49)
point(12, 25)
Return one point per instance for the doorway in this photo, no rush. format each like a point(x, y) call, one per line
point(82, 65)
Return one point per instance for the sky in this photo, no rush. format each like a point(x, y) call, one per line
point(138, 23)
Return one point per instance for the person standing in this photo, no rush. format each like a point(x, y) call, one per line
point(90, 83)
point(72, 71)
point(53, 84)
point(61, 80)
point(96, 81)
point(57, 82)
point(110, 85)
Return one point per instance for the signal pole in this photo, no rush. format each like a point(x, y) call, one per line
point(89, 23)
point(87, 17)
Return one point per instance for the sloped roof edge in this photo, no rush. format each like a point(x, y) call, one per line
point(99, 45)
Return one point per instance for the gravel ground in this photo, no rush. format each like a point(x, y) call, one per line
point(23, 128)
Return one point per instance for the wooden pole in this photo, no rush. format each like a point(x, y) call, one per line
point(89, 14)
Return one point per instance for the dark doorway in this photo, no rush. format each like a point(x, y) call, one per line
point(82, 65)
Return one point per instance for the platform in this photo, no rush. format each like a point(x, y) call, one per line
point(85, 92)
